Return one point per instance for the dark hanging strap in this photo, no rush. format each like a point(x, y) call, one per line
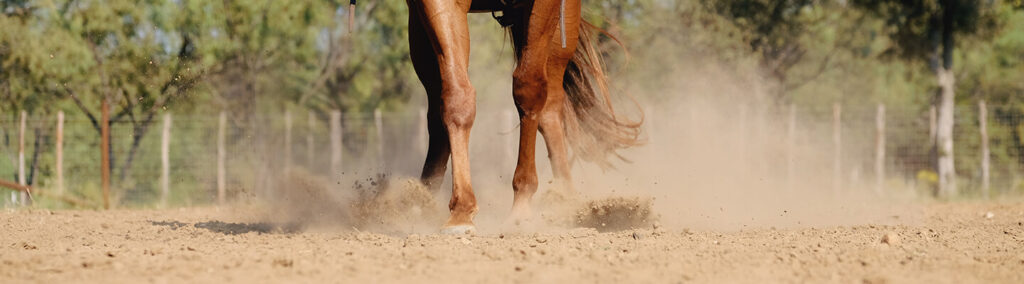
point(504, 21)
point(499, 15)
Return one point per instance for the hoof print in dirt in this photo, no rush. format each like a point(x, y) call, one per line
point(617, 214)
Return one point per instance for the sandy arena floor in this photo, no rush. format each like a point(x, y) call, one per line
point(955, 243)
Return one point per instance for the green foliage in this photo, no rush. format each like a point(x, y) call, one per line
point(917, 27)
point(200, 57)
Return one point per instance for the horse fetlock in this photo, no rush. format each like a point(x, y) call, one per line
point(524, 184)
point(461, 216)
point(463, 203)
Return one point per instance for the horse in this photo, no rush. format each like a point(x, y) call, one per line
point(559, 88)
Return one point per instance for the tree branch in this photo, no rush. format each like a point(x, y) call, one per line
point(126, 110)
point(817, 73)
point(81, 106)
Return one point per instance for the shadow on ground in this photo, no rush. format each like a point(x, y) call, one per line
point(234, 228)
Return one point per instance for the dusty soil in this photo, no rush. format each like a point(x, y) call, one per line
point(951, 243)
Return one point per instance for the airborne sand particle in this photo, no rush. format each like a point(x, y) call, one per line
point(718, 157)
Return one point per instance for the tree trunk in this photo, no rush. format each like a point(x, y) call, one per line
point(38, 135)
point(986, 158)
point(947, 83)
point(946, 170)
point(137, 135)
point(23, 199)
point(105, 154)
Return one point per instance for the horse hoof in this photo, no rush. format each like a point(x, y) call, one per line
point(516, 220)
point(520, 215)
point(459, 230)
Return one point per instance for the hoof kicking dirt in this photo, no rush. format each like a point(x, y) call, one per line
point(617, 214)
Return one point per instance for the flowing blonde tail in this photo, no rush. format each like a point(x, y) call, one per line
point(591, 126)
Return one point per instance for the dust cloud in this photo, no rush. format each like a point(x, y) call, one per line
point(387, 205)
point(719, 155)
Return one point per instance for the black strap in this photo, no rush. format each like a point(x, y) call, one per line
point(499, 15)
point(502, 20)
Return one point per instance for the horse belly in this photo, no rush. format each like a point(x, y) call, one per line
point(486, 6)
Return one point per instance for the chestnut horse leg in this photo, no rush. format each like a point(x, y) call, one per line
point(421, 51)
point(445, 24)
point(552, 116)
point(530, 89)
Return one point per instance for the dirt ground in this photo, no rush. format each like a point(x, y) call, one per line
point(960, 242)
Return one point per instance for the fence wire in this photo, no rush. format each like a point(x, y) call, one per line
point(396, 143)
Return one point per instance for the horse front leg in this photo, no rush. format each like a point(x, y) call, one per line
point(445, 24)
point(424, 61)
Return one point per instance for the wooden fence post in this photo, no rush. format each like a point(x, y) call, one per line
point(335, 126)
point(422, 137)
point(932, 124)
point(791, 148)
point(287, 141)
point(165, 161)
point(378, 123)
point(22, 197)
point(222, 122)
point(985, 155)
point(880, 148)
point(310, 160)
point(837, 143)
point(105, 149)
point(60, 153)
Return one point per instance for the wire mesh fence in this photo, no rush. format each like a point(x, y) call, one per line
point(909, 144)
point(257, 147)
point(256, 150)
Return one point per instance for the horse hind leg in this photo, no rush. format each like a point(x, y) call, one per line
point(552, 118)
point(551, 127)
point(531, 91)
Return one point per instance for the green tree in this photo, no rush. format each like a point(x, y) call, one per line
point(368, 67)
point(778, 31)
point(930, 31)
point(89, 52)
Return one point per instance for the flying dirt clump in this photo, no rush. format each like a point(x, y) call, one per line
point(376, 203)
point(606, 214)
point(388, 205)
point(396, 205)
point(617, 214)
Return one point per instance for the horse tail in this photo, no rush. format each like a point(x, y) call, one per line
point(594, 131)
